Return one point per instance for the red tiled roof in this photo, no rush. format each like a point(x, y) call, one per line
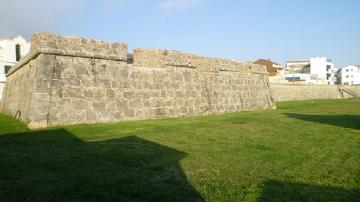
point(266, 60)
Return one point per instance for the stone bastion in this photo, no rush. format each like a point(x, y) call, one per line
point(71, 80)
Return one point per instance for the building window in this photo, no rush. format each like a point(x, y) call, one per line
point(313, 76)
point(328, 67)
point(292, 78)
point(17, 52)
point(7, 68)
point(347, 70)
point(328, 76)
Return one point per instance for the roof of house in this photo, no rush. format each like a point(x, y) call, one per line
point(266, 60)
point(350, 65)
point(298, 61)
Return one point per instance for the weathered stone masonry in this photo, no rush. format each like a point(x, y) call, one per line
point(287, 92)
point(70, 80)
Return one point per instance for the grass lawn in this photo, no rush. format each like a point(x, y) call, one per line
point(303, 151)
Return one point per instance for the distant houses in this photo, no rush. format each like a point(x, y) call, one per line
point(317, 70)
point(271, 66)
point(276, 72)
point(349, 75)
point(11, 50)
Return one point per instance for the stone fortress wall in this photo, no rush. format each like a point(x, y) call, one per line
point(288, 92)
point(70, 80)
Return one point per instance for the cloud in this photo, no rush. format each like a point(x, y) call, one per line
point(178, 5)
point(27, 16)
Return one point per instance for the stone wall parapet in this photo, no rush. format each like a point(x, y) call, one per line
point(48, 43)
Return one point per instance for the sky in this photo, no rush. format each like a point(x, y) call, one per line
point(244, 30)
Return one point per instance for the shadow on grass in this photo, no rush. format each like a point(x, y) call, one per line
point(285, 191)
point(345, 121)
point(54, 165)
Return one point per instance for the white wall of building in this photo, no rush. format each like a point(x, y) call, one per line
point(300, 76)
point(323, 69)
point(8, 55)
point(350, 75)
point(317, 70)
point(318, 66)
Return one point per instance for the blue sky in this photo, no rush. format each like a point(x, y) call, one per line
point(244, 30)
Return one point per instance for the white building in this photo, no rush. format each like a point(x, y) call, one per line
point(317, 70)
point(349, 75)
point(11, 50)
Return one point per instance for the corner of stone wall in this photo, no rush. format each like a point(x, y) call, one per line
point(271, 98)
point(45, 47)
point(42, 91)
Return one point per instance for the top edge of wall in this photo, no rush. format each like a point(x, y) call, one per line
point(50, 43)
point(77, 46)
point(160, 58)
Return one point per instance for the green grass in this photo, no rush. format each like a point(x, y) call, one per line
point(303, 151)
